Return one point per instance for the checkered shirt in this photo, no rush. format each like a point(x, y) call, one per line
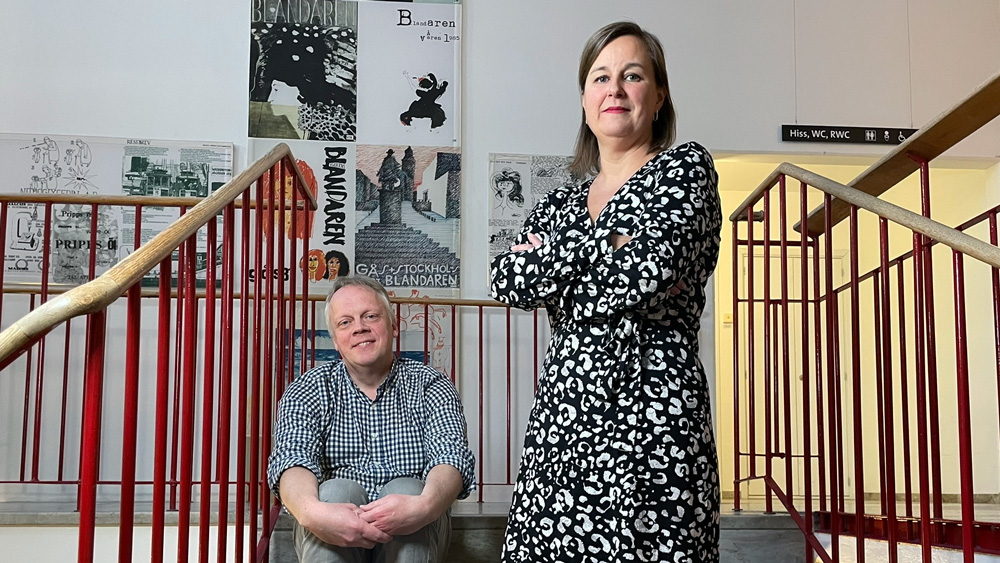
point(327, 425)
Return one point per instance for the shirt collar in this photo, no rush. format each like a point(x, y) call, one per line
point(383, 388)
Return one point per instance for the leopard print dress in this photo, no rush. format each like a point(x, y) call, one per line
point(619, 460)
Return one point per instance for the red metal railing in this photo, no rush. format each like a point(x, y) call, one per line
point(149, 405)
point(162, 404)
point(831, 390)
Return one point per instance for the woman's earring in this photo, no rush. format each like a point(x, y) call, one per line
point(656, 116)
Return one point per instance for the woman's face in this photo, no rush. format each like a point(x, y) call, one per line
point(313, 263)
point(505, 186)
point(333, 267)
point(620, 96)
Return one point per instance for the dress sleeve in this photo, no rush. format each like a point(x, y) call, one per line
point(527, 278)
point(681, 218)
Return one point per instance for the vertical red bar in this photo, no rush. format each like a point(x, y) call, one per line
point(818, 344)
point(859, 470)
point(964, 414)
point(770, 398)
point(994, 278)
point(836, 503)
point(208, 395)
point(178, 367)
point(880, 405)
point(225, 379)
point(890, 430)
point(930, 335)
point(270, 367)
point(508, 427)
point(751, 409)
point(65, 385)
point(806, 415)
point(904, 392)
point(427, 334)
point(91, 443)
point(534, 355)
point(293, 269)
point(256, 407)
point(312, 350)
point(91, 270)
point(281, 234)
point(243, 375)
point(131, 414)
point(736, 367)
point(454, 345)
point(27, 404)
point(40, 368)
point(919, 296)
point(162, 399)
point(188, 400)
point(399, 333)
point(482, 461)
point(786, 371)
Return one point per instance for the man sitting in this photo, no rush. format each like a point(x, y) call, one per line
point(369, 451)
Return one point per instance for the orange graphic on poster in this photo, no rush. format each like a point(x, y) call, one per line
point(305, 217)
point(313, 269)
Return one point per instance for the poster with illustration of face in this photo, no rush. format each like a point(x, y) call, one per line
point(328, 169)
point(409, 60)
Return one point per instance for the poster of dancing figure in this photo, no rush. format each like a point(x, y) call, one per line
point(409, 59)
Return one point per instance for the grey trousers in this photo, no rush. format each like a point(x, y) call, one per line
point(427, 545)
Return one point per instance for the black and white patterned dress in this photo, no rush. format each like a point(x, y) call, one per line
point(619, 460)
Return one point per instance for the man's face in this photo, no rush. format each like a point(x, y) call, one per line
point(362, 330)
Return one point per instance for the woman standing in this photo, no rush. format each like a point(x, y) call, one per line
point(619, 461)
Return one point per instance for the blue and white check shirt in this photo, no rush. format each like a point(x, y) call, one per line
point(327, 425)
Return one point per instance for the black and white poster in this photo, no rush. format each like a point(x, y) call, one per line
point(303, 76)
point(516, 183)
point(409, 57)
point(60, 164)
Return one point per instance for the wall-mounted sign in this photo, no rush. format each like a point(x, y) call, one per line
point(838, 134)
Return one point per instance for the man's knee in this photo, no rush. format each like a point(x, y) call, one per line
point(342, 490)
point(402, 486)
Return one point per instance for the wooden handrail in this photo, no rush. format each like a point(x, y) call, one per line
point(929, 142)
point(957, 240)
point(102, 291)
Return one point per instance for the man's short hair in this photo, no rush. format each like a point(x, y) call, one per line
point(362, 281)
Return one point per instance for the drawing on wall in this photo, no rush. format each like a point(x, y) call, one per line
point(408, 207)
point(305, 217)
point(58, 164)
point(426, 106)
point(409, 60)
point(516, 184)
point(303, 79)
point(508, 193)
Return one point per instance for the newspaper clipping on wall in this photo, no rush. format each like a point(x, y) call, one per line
point(57, 164)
